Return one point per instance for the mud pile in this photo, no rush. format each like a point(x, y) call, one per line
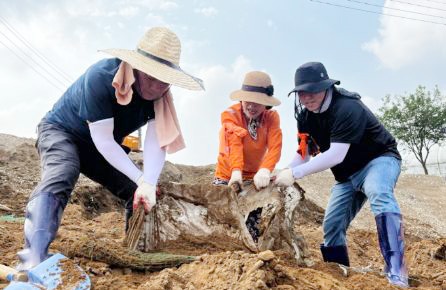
point(94, 218)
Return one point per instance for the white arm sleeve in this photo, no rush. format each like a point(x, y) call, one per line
point(154, 156)
point(333, 156)
point(102, 134)
point(298, 160)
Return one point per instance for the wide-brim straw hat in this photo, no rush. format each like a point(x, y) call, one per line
point(312, 77)
point(158, 55)
point(256, 88)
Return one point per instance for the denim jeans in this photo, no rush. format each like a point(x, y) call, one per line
point(375, 182)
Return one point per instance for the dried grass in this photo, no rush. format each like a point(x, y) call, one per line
point(136, 224)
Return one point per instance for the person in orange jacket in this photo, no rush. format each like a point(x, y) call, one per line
point(250, 136)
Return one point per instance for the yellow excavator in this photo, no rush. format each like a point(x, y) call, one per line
point(133, 142)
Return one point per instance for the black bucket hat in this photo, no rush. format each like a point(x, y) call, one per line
point(312, 77)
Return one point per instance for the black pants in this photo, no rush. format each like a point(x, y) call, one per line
point(63, 157)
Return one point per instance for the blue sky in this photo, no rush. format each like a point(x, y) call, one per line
point(370, 53)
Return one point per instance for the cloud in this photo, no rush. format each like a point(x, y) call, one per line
point(207, 11)
point(270, 23)
point(153, 19)
point(85, 10)
point(402, 42)
point(69, 35)
point(25, 111)
point(199, 112)
point(163, 5)
point(372, 103)
point(129, 11)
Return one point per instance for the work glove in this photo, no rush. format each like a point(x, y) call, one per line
point(145, 194)
point(262, 178)
point(285, 178)
point(236, 177)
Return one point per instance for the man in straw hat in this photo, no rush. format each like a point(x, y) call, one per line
point(250, 136)
point(84, 130)
point(363, 157)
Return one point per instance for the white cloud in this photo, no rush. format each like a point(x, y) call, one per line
point(129, 11)
point(25, 111)
point(154, 20)
point(372, 103)
point(199, 112)
point(168, 5)
point(270, 23)
point(69, 36)
point(110, 9)
point(207, 11)
point(402, 42)
point(162, 5)
point(151, 5)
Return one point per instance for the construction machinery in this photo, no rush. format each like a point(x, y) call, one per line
point(133, 142)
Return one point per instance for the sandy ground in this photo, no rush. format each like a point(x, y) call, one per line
point(95, 214)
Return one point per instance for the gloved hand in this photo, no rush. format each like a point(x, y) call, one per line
point(285, 178)
point(236, 177)
point(145, 194)
point(262, 178)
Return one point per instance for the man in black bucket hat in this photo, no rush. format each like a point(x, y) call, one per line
point(312, 77)
point(363, 157)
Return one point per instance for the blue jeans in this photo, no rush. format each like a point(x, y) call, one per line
point(376, 182)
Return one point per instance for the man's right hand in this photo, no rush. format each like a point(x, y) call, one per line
point(145, 194)
point(236, 177)
point(285, 178)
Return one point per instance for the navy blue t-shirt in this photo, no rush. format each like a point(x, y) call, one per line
point(348, 120)
point(92, 98)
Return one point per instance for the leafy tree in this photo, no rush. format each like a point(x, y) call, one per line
point(418, 120)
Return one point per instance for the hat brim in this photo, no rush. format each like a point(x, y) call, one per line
point(165, 73)
point(259, 98)
point(315, 87)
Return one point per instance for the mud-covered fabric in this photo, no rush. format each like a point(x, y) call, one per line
point(348, 120)
point(92, 98)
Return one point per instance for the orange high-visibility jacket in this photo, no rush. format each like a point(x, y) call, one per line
point(238, 150)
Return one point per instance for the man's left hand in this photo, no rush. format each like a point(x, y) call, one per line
point(262, 178)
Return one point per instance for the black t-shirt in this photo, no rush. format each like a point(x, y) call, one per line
point(348, 120)
point(92, 98)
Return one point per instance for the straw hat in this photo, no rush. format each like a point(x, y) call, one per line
point(158, 55)
point(256, 88)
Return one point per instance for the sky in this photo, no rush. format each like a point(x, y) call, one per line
point(370, 53)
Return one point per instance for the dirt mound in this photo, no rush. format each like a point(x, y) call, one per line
point(93, 213)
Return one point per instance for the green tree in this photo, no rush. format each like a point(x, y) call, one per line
point(417, 120)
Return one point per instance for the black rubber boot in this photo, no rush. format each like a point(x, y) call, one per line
point(337, 254)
